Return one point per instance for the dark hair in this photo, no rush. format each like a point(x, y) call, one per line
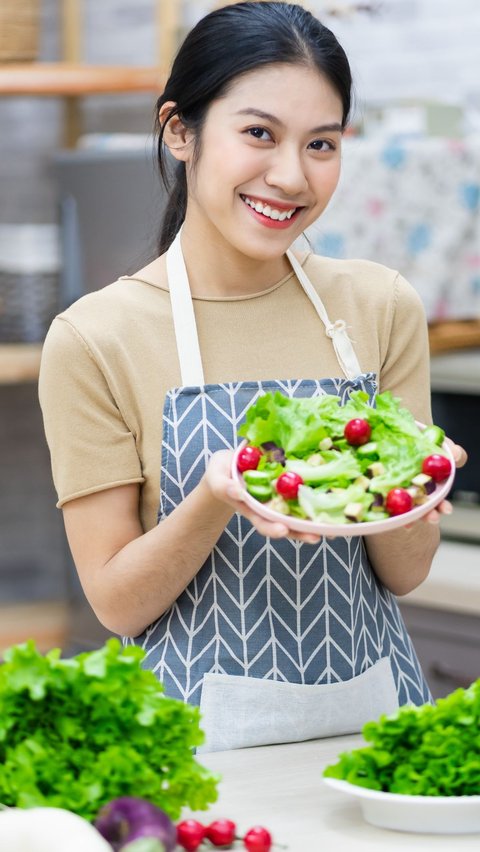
point(224, 44)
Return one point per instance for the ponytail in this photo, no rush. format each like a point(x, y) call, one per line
point(176, 207)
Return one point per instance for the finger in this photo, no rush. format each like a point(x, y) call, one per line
point(270, 530)
point(306, 538)
point(235, 493)
point(459, 454)
point(445, 508)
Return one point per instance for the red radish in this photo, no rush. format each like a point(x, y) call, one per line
point(221, 832)
point(357, 431)
point(437, 466)
point(398, 501)
point(288, 483)
point(190, 834)
point(248, 458)
point(258, 839)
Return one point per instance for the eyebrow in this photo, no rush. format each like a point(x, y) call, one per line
point(334, 127)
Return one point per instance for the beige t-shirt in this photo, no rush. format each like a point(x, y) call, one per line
point(109, 360)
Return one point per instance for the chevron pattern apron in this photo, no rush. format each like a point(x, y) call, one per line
point(276, 640)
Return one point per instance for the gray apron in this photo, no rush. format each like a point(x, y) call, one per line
point(276, 640)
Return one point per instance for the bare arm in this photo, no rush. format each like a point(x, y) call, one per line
point(130, 577)
point(402, 558)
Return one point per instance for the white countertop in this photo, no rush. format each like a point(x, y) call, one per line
point(281, 787)
point(454, 580)
point(456, 372)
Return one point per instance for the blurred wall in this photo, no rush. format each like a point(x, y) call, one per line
point(406, 48)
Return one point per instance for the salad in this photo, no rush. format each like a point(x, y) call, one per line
point(429, 750)
point(322, 461)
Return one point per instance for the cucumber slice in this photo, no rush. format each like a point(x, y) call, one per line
point(367, 450)
point(434, 434)
point(256, 477)
point(260, 492)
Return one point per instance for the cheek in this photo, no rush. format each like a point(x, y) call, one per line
point(326, 180)
point(226, 172)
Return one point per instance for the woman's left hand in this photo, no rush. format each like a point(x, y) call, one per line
point(445, 507)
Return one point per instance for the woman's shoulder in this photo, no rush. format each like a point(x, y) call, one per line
point(359, 270)
point(117, 307)
point(371, 281)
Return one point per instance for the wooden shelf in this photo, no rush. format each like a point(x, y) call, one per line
point(66, 79)
point(454, 334)
point(19, 362)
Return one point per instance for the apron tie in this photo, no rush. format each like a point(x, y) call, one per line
point(338, 325)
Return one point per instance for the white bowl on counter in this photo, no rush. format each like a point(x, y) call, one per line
point(418, 814)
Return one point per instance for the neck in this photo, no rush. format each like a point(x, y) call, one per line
point(216, 268)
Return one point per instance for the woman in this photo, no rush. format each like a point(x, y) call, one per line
point(277, 636)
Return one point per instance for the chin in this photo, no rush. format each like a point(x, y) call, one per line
point(268, 248)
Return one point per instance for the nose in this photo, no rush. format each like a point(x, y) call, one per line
point(286, 171)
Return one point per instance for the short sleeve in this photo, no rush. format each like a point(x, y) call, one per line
point(91, 446)
point(406, 365)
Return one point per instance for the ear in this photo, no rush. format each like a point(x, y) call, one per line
point(177, 137)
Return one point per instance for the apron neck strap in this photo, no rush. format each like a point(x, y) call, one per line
point(185, 325)
point(336, 331)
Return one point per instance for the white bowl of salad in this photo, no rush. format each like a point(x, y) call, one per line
point(333, 469)
point(418, 767)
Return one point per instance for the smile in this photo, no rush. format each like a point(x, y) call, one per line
point(268, 210)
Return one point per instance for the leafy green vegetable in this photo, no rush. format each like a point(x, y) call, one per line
point(431, 750)
point(297, 425)
point(340, 470)
point(76, 733)
point(317, 503)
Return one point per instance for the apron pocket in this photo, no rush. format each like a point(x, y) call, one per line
point(240, 712)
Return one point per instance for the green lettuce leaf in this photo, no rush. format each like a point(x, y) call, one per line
point(76, 733)
point(316, 503)
point(431, 750)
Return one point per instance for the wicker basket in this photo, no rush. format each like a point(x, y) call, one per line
point(19, 30)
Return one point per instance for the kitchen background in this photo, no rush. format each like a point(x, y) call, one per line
point(79, 205)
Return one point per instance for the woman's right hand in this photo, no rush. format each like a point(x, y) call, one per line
point(223, 487)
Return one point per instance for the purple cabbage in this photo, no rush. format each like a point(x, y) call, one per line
point(135, 825)
point(273, 452)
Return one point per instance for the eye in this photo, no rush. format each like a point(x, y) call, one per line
point(259, 133)
point(322, 145)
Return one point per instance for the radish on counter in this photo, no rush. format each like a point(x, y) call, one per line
point(48, 830)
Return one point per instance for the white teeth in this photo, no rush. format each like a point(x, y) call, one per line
point(269, 211)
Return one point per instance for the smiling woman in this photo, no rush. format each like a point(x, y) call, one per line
point(279, 174)
point(278, 635)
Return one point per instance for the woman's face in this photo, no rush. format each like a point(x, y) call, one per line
point(269, 160)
